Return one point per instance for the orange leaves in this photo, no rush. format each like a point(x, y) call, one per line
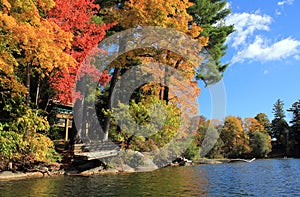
point(169, 13)
point(25, 11)
point(7, 22)
point(7, 5)
point(252, 125)
point(42, 46)
point(28, 39)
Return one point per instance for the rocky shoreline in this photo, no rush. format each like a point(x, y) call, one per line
point(9, 175)
point(97, 168)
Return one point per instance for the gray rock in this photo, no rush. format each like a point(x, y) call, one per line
point(127, 168)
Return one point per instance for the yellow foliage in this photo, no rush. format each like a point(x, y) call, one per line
point(40, 147)
point(252, 125)
point(38, 42)
point(168, 13)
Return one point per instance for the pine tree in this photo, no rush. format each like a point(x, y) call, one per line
point(279, 126)
point(210, 15)
point(295, 126)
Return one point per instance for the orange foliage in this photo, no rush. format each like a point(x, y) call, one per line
point(252, 125)
point(29, 39)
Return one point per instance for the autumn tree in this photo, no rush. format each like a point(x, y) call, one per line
point(236, 141)
point(207, 138)
point(31, 49)
point(131, 14)
point(263, 119)
point(251, 125)
point(260, 140)
point(34, 45)
point(79, 17)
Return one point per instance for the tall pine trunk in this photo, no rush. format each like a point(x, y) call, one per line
point(109, 103)
point(114, 79)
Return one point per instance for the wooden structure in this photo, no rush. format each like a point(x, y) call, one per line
point(84, 151)
point(65, 118)
point(95, 150)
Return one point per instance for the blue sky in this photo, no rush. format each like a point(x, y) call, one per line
point(264, 56)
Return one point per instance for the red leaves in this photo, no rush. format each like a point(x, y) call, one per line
point(104, 78)
point(76, 16)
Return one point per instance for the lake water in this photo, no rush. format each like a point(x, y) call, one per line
point(274, 177)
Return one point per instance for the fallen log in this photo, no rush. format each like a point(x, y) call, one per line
point(243, 160)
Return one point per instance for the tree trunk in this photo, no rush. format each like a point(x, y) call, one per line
point(28, 85)
point(37, 97)
point(106, 124)
point(109, 103)
point(166, 84)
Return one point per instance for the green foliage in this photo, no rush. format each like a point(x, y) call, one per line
point(97, 19)
point(146, 125)
point(26, 151)
point(192, 152)
point(20, 141)
point(55, 133)
point(295, 127)
point(210, 14)
point(216, 152)
point(278, 109)
point(263, 119)
point(279, 126)
point(11, 144)
point(260, 144)
point(30, 122)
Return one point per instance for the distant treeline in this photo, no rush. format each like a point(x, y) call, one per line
point(252, 137)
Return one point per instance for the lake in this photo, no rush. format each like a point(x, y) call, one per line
point(273, 177)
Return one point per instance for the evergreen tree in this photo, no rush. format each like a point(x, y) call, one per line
point(295, 126)
point(279, 126)
point(210, 15)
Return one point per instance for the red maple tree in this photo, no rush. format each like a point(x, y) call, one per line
point(78, 17)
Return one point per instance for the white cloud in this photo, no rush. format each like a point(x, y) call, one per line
point(245, 25)
point(261, 50)
point(288, 2)
point(278, 12)
point(297, 57)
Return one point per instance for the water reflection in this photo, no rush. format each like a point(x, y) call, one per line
point(259, 178)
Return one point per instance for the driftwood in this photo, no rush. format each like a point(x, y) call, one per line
point(243, 160)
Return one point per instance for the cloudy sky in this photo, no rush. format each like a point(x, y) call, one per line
point(264, 56)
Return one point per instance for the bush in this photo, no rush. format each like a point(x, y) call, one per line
point(192, 152)
point(21, 143)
